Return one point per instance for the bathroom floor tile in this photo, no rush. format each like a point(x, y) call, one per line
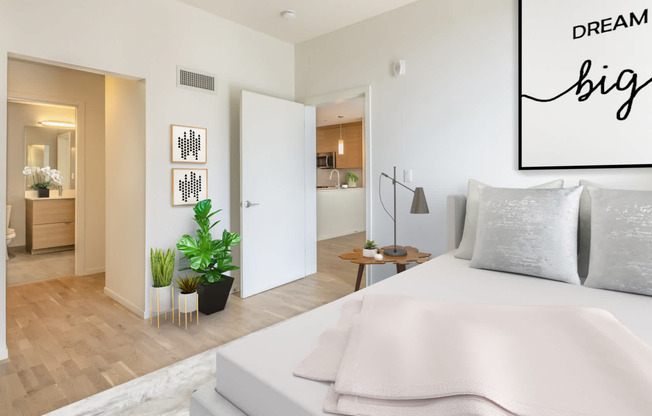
point(23, 267)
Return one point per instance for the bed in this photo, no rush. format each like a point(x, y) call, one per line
point(254, 373)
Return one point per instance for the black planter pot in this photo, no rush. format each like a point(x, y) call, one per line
point(43, 192)
point(213, 297)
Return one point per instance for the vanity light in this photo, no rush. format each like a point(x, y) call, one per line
point(340, 142)
point(57, 124)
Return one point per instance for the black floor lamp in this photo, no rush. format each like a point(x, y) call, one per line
point(419, 206)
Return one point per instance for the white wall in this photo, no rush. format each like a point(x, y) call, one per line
point(146, 40)
point(125, 193)
point(452, 117)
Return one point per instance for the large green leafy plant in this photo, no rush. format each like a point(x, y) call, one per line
point(208, 257)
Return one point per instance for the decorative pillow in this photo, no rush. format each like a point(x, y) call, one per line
point(529, 231)
point(465, 249)
point(621, 241)
point(584, 238)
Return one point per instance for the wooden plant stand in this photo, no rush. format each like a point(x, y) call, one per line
point(158, 306)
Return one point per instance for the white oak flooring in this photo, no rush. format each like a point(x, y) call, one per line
point(68, 341)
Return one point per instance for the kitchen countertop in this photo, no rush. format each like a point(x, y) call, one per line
point(340, 189)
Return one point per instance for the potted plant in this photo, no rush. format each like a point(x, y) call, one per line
point(370, 249)
point(188, 296)
point(42, 178)
point(210, 258)
point(162, 270)
point(351, 179)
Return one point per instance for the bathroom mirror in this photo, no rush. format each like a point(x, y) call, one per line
point(38, 155)
point(45, 146)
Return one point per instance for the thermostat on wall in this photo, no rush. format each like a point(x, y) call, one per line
point(399, 67)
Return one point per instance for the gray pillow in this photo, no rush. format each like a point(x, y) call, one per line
point(584, 238)
point(621, 241)
point(465, 249)
point(529, 231)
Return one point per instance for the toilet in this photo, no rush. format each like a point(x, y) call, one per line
point(11, 233)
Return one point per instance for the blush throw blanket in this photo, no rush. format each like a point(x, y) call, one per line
point(403, 356)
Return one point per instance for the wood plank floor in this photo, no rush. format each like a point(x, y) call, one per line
point(68, 341)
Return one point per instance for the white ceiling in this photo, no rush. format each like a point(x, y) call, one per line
point(352, 110)
point(313, 17)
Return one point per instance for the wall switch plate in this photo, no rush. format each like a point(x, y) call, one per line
point(407, 175)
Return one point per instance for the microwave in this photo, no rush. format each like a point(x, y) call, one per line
point(326, 160)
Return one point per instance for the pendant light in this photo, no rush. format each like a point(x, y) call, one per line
point(340, 143)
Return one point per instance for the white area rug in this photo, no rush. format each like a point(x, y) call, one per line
point(164, 392)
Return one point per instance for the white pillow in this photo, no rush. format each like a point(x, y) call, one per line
point(621, 241)
point(529, 231)
point(465, 249)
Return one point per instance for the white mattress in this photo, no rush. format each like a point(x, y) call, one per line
point(255, 372)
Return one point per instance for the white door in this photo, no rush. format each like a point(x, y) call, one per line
point(278, 191)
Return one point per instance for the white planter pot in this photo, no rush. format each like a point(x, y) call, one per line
point(187, 302)
point(352, 184)
point(369, 253)
point(161, 298)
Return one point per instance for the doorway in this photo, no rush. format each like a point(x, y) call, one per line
point(107, 169)
point(343, 183)
point(41, 153)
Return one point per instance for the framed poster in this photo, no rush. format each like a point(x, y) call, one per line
point(189, 186)
point(188, 144)
point(585, 99)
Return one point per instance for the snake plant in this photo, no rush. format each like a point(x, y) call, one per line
point(162, 266)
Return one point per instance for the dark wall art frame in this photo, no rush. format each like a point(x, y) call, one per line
point(585, 84)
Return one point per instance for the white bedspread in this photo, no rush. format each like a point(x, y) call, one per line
point(255, 372)
point(405, 356)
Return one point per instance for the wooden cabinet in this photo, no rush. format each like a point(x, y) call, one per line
point(352, 137)
point(328, 136)
point(50, 224)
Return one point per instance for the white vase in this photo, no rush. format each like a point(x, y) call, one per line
point(161, 298)
point(369, 252)
point(187, 302)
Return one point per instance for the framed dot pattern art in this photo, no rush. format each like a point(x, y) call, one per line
point(188, 144)
point(189, 186)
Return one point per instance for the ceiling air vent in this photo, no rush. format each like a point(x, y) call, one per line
point(196, 80)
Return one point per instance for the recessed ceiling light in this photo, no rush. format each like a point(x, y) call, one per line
point(288, 14)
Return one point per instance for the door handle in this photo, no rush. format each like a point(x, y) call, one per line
point(249, 204)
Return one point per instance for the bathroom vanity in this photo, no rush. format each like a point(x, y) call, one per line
point(50, 224)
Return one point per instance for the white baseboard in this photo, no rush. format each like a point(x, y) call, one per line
point(124, 302)
point(93, 271)
point(4, 353)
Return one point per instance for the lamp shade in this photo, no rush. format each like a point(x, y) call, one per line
point(419, 204)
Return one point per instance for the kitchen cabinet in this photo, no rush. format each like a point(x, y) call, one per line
point(327, 140)
point(50, 224)
point(340, 212)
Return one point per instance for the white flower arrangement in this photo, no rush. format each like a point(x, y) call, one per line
point(42, 178)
